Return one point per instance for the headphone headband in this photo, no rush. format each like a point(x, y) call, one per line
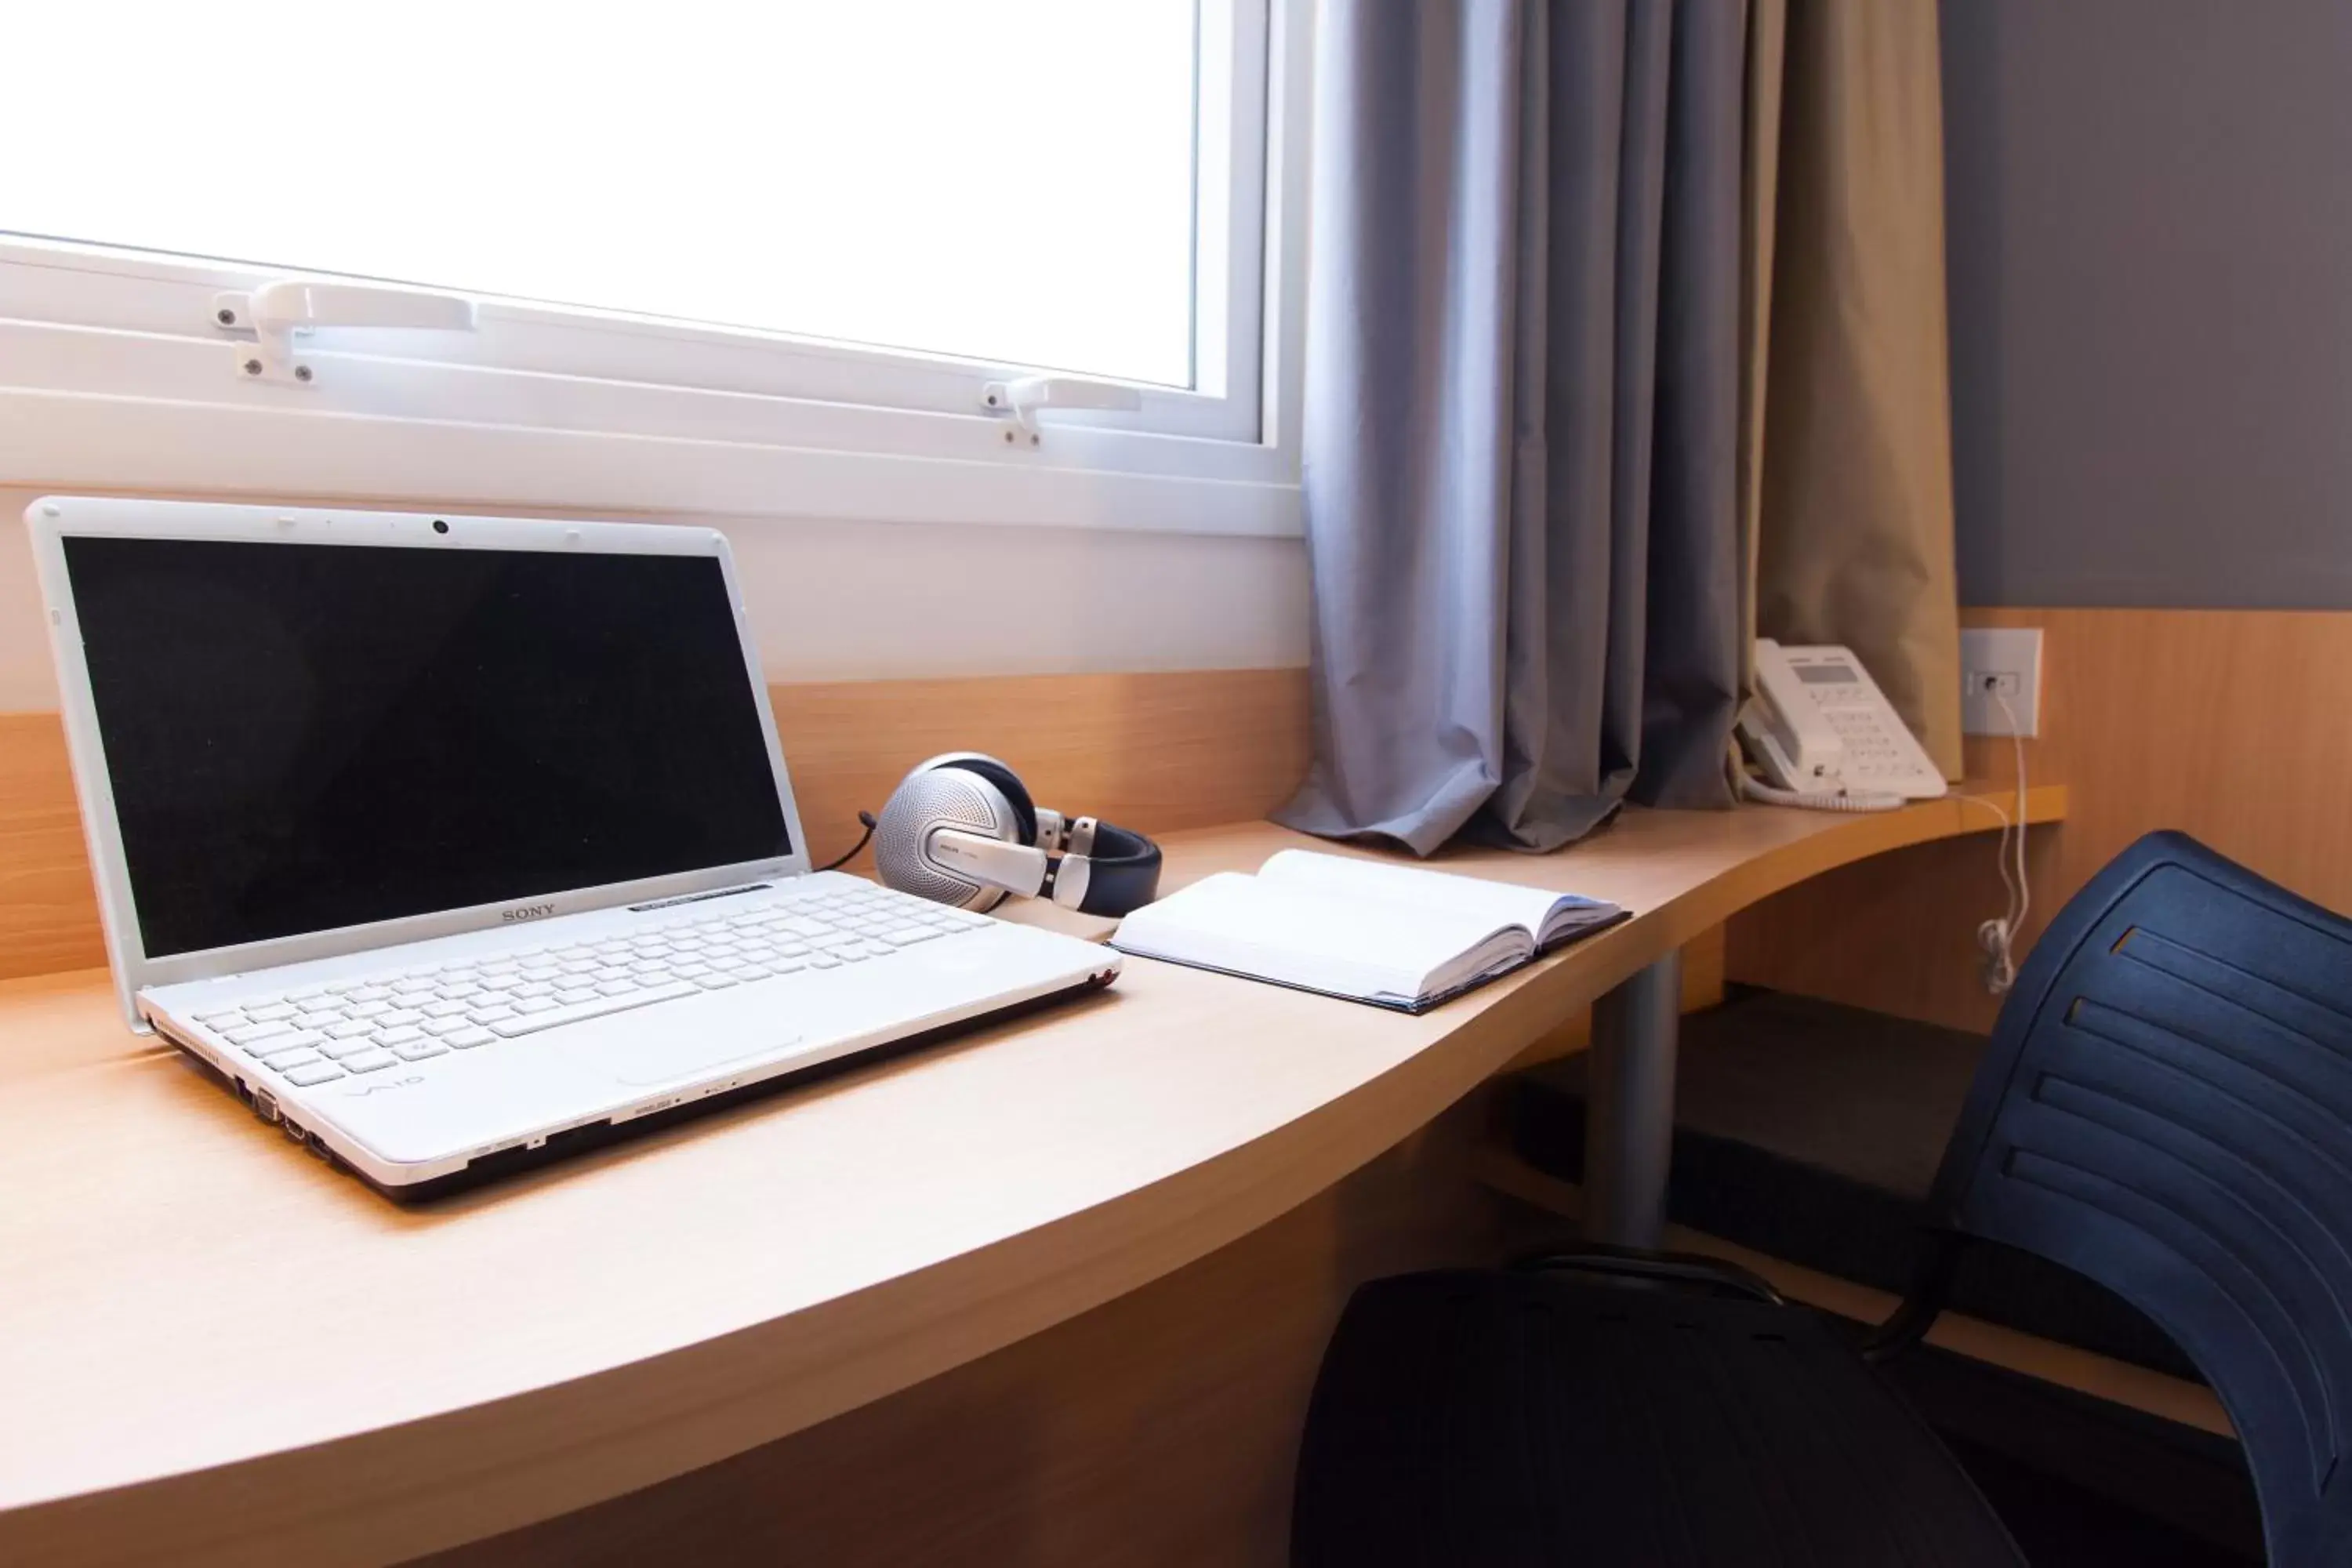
point(1121, 870)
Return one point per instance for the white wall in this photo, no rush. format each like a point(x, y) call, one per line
point(843, 602)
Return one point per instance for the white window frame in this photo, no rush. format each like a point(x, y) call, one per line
point(114, 375)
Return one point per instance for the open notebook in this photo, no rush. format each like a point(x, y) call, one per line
point(1395, 936)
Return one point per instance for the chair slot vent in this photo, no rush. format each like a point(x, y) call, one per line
point(2195, 1063)
point(2323, 1022)
point(2177, 1234)
point(2100, 1104)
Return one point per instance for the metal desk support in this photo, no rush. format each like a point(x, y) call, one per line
point(1629, 1110)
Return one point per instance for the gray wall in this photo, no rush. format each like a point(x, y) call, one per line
point(2151, 246)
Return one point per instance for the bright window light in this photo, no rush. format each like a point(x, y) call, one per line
point(1009, 181)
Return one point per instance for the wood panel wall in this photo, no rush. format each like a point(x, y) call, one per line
point(1151, 752)
point(2232, 725)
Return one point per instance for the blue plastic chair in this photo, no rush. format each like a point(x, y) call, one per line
point(2166, 1107)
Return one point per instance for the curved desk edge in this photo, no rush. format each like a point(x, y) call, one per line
point(385, 1492)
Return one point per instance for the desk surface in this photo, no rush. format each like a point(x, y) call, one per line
point(213, 1349)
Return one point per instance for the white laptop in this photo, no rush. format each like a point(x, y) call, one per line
point(456, 843)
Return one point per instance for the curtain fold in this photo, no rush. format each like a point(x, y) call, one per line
point(1768, 30)
point(1623, 343)
point(1522, 415)
point(1856, 532)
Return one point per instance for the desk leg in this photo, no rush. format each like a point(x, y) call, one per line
point(1629, 1119)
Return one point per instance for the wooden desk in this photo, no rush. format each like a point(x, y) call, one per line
point(213, 1350)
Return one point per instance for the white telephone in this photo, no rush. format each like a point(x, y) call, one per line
point(1827, 737)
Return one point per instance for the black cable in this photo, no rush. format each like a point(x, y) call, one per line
point(867, 818)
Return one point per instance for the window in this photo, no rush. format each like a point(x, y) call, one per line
point(803, 256)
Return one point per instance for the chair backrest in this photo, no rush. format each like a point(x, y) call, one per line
point(2166, 1107)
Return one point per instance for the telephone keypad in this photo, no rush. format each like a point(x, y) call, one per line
point(1869, 752)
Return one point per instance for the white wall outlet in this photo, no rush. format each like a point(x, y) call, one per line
point(1998, 664)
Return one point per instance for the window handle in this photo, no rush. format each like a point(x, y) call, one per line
point(1026, 398)
point(280, 310)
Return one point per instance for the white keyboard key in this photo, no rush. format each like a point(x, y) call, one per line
point(823, 961)
point(317, 1019)
point(621, 987)
point(369, 1061)
point(571, 996)
point(414, 985)
point(349, 1029)
point(446, 1026)
point(371, 992)
point(490, 1014)
point(901, 936)
point(533, 988)
point(447, 1007)
point(388, 1038)
point(714, 980)
point(279, 1061)
point(266, 1012)
point(312, 1073)
point(537, 1005)
point(467, 1040)
point(340, 1049)
point(376, 1009)
point(555, 1017)
point(254, 1033)
point(418, 1050)
point(398, 1017)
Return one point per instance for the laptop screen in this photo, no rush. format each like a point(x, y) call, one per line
point(304, 737)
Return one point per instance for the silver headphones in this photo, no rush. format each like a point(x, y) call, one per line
point(961, 829)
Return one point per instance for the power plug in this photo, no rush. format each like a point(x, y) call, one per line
point(1998, 968)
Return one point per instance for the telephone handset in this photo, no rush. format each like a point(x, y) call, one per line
point(1827, 737)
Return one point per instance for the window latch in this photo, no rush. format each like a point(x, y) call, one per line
point(1026, 398)
point(285, 309)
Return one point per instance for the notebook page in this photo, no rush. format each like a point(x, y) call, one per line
point(1304, 936)
point(1341, 876)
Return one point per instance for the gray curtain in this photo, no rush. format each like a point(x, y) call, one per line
point(1523, 414)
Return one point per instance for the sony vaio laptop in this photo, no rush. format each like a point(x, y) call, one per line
point(452, 842)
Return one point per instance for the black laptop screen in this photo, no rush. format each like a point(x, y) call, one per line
point(302, 737)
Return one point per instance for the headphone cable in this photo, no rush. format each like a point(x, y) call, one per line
point(863, 839)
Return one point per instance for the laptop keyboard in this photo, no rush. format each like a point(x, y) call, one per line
point(317, 1034)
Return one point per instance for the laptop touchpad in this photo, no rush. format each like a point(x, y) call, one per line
point(651, 1063)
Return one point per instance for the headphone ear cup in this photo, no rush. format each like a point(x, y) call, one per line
point(942, 792)
point(1008, 783)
